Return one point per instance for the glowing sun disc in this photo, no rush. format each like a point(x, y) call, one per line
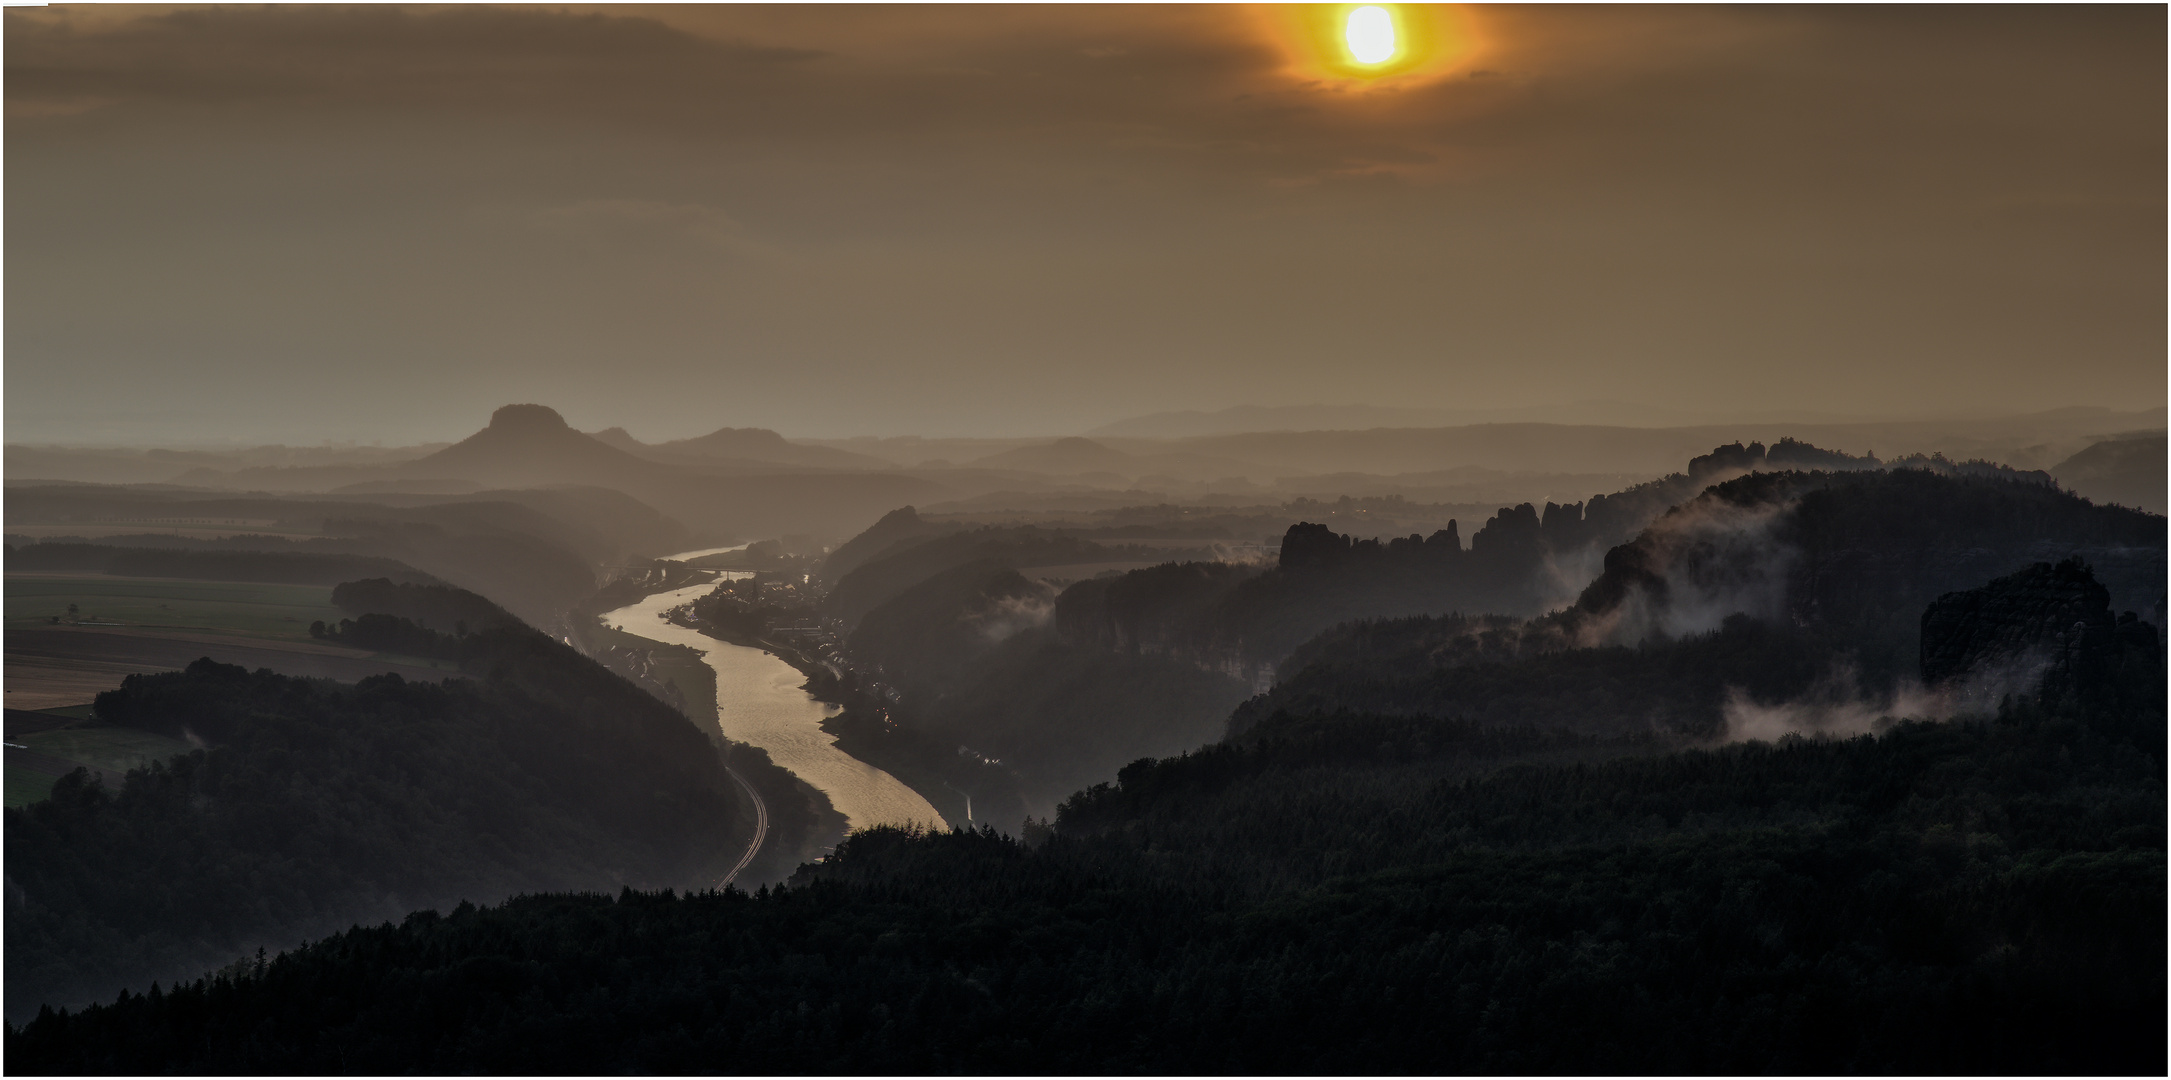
point(1371, 34)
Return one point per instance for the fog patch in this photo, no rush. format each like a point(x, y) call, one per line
point(1565, 574)
point(1703, 561)
point(1836, 705)
point(1244, 554)
point(1008, 616)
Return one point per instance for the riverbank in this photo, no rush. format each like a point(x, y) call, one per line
point(760, 702)
point(967, 791)
point(803, 826)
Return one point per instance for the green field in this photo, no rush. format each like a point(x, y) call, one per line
point(246, 609)
point(115, 749)
point(25, 787)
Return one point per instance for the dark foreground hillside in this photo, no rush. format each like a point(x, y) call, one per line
point(1345, 894)
point(316, 804)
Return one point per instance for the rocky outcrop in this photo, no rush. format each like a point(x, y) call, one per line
point(1859, 553)
point(2053, 618)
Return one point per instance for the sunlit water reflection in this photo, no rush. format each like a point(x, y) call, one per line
point(758, 701)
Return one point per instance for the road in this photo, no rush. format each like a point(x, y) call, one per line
point(761, 827)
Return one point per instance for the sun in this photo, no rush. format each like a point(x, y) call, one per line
point(1386, 45)
point(1370, 32)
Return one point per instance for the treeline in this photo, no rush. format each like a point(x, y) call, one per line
point(315, 804)
point(390, 634)
point(456, 611)
point(1354, 895)
point(398, 617)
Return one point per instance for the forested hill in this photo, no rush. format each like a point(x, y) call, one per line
point(919, 558)
point(1151, 662)
point(445, 611)
point(315, 805)
point(1802, 588)
point(1354, 894)
point(1856, 549)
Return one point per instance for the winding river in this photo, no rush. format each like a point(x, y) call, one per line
point(758, 701)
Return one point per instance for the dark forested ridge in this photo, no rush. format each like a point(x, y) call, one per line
point(1772, 588)
point(315, 804)
point(950, 644)
point(920, 556)
point(1448, 843)
point(1838, 561)
point(1354, 896)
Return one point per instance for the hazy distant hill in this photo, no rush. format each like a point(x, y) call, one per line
point(741, 447)
point(2128, 471)
point(742, 482)
point(2026, 442)
point(531, 444)
point(119, 465)
point(1247, 418)
point(915, 450)
point(522, 446)
point(761, 444)
point(1242, 418)
point(1071, 455)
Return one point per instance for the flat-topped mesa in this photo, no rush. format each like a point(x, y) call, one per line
point(527, 418)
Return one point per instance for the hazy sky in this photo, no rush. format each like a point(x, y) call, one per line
point(310, 223)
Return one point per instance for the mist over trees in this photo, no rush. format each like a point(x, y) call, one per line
point(1529, 834)
point(1416, 894)
point(1155, 658)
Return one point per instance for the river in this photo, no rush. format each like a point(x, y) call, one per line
point(758, 701)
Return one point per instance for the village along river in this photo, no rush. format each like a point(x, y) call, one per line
point(758, 701)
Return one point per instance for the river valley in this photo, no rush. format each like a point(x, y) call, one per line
point(759, 701)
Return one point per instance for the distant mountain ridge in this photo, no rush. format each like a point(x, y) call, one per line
point(1249, 419)
point(2128, 470)
point(1242, 419)
point(743, 446)
point(525, 445)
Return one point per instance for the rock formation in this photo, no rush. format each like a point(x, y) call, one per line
point(2056, 618)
